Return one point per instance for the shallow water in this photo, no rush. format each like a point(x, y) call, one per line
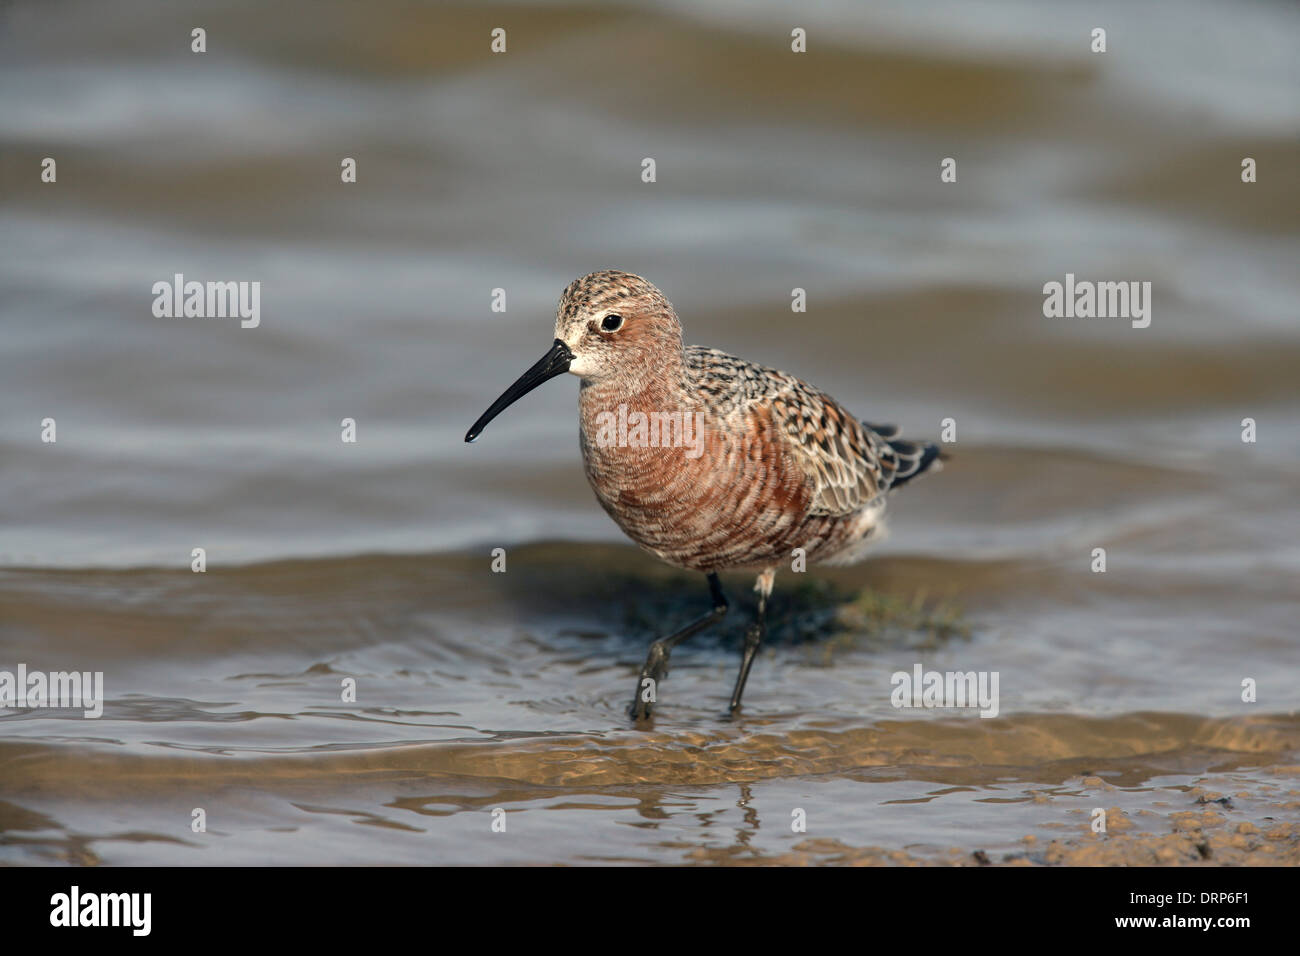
point(478, 691)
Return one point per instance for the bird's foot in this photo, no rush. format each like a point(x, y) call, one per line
point(654, 671)
point(753, 640)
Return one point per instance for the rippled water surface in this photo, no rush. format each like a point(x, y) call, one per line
point(370, 561)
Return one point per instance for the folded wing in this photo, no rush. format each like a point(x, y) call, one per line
point(849, 464)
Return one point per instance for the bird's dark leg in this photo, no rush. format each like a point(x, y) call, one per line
point(656, 662)
point(753, 636)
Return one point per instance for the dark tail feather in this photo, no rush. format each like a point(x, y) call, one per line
point(911, 458)
point(914, 457)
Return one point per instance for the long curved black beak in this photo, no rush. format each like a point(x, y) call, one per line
point(553, 363)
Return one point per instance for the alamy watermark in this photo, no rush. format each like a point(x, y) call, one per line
point(65, 689)
point(74, 908)
point(624, 429)
point(208, 300)
point(1084, 299)
point(922, 688)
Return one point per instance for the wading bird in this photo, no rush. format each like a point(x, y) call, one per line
point(711, 462)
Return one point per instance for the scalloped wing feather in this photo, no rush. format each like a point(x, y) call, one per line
point(848, 465)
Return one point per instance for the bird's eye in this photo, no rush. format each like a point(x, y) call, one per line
point(611, 322)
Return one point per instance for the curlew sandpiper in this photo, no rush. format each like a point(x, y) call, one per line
point(711, 462)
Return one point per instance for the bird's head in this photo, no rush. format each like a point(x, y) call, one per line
point(608, 324)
